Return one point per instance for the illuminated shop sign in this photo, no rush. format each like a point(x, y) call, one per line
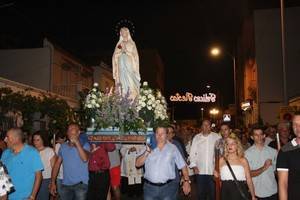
point(246, 105)
point(189, 97)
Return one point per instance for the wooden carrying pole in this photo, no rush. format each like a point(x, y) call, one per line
point(217, 179)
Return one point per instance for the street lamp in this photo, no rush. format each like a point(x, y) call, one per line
point(283, 50)
point(215, 52)
point(202, 110)
point(214, 112)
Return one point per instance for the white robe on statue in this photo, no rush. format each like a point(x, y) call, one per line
point(126, 66)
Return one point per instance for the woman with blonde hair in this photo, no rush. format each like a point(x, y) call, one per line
point(235, 172)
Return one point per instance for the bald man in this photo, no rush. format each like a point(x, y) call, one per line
point(74, 154)
point(24, 166)
point(202, 160)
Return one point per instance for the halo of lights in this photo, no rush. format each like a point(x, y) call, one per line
point(125, 23)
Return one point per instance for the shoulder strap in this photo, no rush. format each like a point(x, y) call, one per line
point(235, 181)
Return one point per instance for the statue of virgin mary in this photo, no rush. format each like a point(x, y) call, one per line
point(125, 63)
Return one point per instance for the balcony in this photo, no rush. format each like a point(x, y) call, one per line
point(70, 91)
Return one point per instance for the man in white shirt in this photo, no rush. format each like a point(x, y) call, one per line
point(202, 160)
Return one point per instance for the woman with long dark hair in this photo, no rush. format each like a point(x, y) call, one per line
point(48, 157)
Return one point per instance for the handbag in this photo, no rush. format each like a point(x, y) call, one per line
point(242, 189)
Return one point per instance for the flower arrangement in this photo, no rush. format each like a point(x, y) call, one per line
point(152, 107)
point(110, 109)
point(160, 112)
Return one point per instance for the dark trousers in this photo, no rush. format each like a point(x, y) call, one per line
point(98, 185)
point(131, 190)
point(165, 192)
point(205, 187)
point(229, 190)
point(74, 192)
point(43, 193)
point(273, 197)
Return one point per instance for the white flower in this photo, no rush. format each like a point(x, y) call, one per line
point(149, 107)
point(145, 83)
point(94, 90)
point(149, 96)
point(158, 94)
point(96, 85)
point(97, 105)
point(93, 101)
point(143, 104)
point(89, 105)
point(93, 96)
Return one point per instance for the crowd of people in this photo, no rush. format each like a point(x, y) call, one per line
point(184, 162)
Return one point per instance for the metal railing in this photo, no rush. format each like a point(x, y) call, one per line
point(71, 91)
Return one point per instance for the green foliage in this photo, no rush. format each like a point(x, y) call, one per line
point(30, 105)
point(80, 114)
point(19, 102)
point(56, 110)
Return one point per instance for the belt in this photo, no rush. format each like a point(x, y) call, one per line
point(98, 171)
point(158, 184)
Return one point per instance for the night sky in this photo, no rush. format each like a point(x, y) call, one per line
point(181, 31)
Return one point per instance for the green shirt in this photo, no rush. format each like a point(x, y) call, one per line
point(265, 184)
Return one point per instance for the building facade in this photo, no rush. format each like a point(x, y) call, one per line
point(152, 68)
point(260, 58)
point(49, 68)
point(103, 76)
